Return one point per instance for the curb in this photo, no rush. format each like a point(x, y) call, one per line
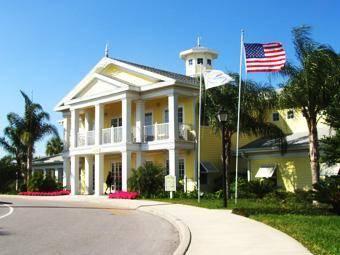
point(182, 228)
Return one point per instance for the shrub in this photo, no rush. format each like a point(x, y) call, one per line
point(7, 175)
point(52, 193)
point(328, 192)
point(255, 188)
point(38, 183)
point(147, 180)
point(124, 195)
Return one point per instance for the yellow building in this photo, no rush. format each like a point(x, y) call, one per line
point(122, 114)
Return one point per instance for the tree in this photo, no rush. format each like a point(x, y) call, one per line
point(257, 101)
point(11, 142)
point(54, 146)
point(331, 145)
point(310, 86)
point(34, 127)
point(7, 174)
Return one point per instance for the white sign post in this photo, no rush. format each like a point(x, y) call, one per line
point(170, 184)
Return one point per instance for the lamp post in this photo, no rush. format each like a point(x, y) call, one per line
point(222, 118)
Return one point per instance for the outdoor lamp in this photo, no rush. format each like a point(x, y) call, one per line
point(222, 117)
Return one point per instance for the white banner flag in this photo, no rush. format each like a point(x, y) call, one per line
point(215, 78)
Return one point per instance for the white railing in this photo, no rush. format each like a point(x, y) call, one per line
point(86, 138)
point(111, 135)
point(185, 132)
point(156, 132)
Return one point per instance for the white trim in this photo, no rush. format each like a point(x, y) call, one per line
point(185, 168)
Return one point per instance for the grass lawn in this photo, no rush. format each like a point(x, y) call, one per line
point(316, 229)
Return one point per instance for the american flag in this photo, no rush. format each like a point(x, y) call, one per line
point(264, 57)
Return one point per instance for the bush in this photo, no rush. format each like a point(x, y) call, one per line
point(38, 183)
point(147, 180)
point(254, 189)
point(328, 192)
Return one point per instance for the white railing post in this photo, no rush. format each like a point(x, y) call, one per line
point(112, 135)
point(156, 132)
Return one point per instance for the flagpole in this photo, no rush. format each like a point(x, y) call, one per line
point(238, 115)
point(199, 141)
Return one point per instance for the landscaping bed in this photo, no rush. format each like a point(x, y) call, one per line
point(123, 195)
point(49, 193)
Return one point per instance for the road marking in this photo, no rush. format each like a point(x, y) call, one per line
point(9, 213)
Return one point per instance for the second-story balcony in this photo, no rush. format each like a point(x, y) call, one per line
point(86, 138)
point(112, 135)
point(160, 131)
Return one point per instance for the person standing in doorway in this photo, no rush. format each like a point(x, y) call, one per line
point(108, 182)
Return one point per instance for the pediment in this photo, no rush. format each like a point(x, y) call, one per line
point(97, 87)
point(127, 76)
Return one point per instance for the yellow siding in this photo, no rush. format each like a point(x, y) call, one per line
point(293, 172)
point(188, 108)
point(211, 146)
point(157, 108)
point(111, 111)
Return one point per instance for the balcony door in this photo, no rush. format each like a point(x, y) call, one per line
point(116, 122)
point(116, 170)
point(148, 129)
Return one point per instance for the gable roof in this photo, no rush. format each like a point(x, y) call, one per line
point(295, 140)
point(165, 76)
point(176, 76)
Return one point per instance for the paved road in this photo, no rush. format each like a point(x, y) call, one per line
point(56, 227)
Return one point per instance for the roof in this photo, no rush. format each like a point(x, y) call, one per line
point(208, 167)
point(49, 160)
point(178, 77)
point(198, 49)
point(298, 139)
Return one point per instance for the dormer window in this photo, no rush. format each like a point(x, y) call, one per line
point(209, 62)
point(200, 61)
point(190, 62)
point(290, 114)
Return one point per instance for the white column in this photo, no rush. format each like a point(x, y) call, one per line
point(173, 163)
point(88, 174)
point(66, 172)
point(74, 127)
point(67, 130)
point(139, 159)
point(126, 167)
point(99, 174)
point(99, 122)
point(74, 175)
point(173, 117)
point(140, 108)
point(126, 120)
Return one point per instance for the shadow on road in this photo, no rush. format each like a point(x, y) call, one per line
point(5, 203)
point(4, 233)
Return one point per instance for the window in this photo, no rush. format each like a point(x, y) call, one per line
point(148, 119)
point(290, 114)
point(276, 116)
point(167, 167)
point(209, 62)
point(166, 116)
point(180, 115)
point(190, 62)
point(181, 168)
point(116, 122)
point(200, 61)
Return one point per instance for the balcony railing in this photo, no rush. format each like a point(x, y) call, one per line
point(186, 132)
point(111, 135)
point(156, 132)
point(86, 138)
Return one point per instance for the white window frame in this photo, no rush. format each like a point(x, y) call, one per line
point(185, 170)
point(190, 62)
point(116, 118)
point(293, 114)
point(147, 112)
point(277, 115)
point(183, 115)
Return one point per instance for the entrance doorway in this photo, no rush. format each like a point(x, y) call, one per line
point(116, 170)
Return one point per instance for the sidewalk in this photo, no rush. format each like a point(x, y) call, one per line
point(211, 231)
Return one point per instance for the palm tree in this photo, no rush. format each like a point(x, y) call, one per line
point(54, 146)
point(310, 86)
point(11, 142)
point(34, 125)
point(257, 101)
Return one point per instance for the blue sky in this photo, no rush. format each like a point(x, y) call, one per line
point(46, 47)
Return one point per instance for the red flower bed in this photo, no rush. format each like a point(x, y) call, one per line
point(124, 195)
point(50, 193)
